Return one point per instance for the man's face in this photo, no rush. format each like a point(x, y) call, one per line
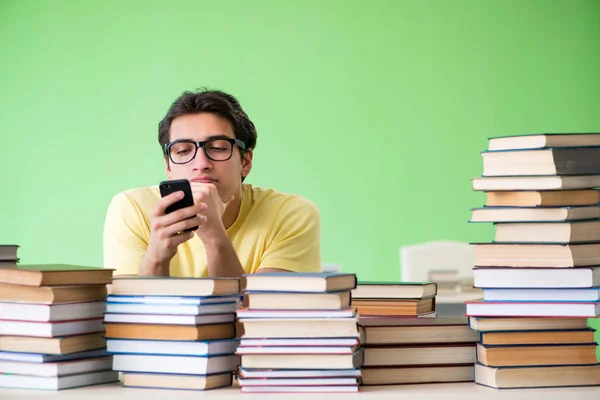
point(225, 175)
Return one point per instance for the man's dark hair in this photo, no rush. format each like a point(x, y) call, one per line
point(209, 101)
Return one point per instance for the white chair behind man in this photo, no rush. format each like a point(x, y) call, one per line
point(447, 262)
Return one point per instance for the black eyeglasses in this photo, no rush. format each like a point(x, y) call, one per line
point(219, 149)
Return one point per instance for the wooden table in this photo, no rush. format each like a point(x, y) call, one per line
point(459, 391)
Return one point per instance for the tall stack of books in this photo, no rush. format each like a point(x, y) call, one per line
point(407, 343)
point(173, 333)
point(51, 327)
point(541, 274)
point(300, 334)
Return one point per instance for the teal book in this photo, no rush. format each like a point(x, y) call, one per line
point(54, 275)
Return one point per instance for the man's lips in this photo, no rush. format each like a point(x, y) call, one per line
point(203, 179)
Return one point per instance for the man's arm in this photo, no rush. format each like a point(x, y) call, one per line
point(223, 261)
point(137, 244)
point(220, 255)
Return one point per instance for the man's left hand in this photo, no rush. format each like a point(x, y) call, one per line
point(215, 207)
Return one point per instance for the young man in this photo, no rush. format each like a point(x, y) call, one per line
point(208, 139)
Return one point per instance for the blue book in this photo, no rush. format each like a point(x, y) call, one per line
point(44, 358)
point(188, 300)
point(201, 348)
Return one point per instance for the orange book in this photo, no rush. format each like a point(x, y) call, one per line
point(513, 356)
point(170, 332)
point(394, 307)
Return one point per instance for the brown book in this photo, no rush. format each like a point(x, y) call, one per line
point(298, 301)
point(170, 286)
point(396, 331)
point(548, 232)
point(514, 356)
point(394, 307)
point(548, 198)
point(548, 161)
point(59, 345)
point(422, 354)
point(299, 328)
point(538, 337)
point(495, 324)
point(534, 377)
point(54, 275)
point(412, 320)
point(417, 374)
point(170, 332)
point(51, 294)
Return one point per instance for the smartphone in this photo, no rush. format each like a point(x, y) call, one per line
point(168, 187)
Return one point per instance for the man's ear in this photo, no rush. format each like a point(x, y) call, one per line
point(247, 163)
point(167, 168)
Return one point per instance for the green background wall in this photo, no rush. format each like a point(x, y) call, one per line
point(374, 110)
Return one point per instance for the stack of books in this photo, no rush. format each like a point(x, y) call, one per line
point(412, 345)
point(173, 333)
point(541, 274)
point(300, 334)
point(51, 327)
point(378, 299)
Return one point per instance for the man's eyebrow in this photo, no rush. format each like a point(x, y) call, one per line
point(218, 137)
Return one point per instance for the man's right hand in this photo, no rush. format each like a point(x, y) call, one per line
point(167, 232)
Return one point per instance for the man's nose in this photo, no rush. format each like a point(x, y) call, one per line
point(201, 162)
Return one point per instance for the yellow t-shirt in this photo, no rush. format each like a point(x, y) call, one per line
point(272, 230)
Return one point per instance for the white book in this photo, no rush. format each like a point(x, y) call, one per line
point(297, 382)
point(41, 358)
point(174, 309)
point(578, 295)
point(57, 383)
point(246, 313)
point(299, 389)
point(536, 277)
point(174, 364)
point(52, 312)
point(172, 347)
point(297, 350)
point(291, 373)
point(51, 329)
point(170, 319)
point(50, 369)
point(183, 300)
point(532, 309)
point(300, 342)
